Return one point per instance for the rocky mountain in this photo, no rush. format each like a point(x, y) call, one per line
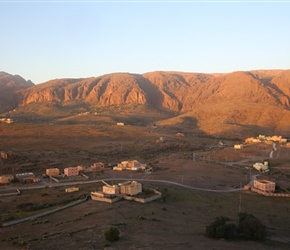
point(256, 98)
point(10, 85)
point(172, 90)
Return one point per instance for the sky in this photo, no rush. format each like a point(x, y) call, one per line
point(45, 40)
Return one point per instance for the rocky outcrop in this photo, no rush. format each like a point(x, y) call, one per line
point(10, 85)
point(171, 90)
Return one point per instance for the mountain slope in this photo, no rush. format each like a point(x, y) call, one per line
point(9, 86)
point(254, 98)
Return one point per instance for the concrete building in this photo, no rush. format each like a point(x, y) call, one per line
point(72, 189)
point(97, 166)
point(114, 189)
point(130, 165)
point(24, 175)
point(264, 185)
point(4, 179)
point(81, 168)
point(52, 171)
point(130, 188)
point(7, 155)
point(71, 171)
point(238, 146)
point(28, 177)
point(261, 166)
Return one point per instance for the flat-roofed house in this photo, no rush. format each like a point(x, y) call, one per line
point(71, 171)
point(130, 188)
point(52, 171)
point(114, 189)
point(7, 155)
point(72, 189)
point(238, 146)
point(264, 185)
point(97, 166)
point(4, 179)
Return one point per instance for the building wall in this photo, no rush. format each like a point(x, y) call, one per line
point(264, 185)
point(72, 189)
point(111, 189)
point(97, 166)
point(6, 155)
point(6, 178)
point(71, 171)
point(24, 175)
point(132, 188)
point(52, 171)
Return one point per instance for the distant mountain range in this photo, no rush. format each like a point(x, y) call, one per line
point(253, 98)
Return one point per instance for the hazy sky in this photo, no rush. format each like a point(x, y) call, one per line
point(56, 39)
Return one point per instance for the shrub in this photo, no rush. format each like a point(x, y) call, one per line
point(221, 228)
point(250, 227)
point(112, 234)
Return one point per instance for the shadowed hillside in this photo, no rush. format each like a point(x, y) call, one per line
point(9, 86)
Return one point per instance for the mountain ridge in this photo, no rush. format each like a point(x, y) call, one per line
point(229, 96)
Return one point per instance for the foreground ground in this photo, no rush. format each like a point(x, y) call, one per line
point(177, 221)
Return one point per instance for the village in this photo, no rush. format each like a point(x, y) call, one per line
point(112, 193)
point(132, 182)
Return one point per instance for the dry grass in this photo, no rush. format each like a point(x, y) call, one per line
point(175, 222)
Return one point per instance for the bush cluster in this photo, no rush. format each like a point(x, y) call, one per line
point(249, 228)
point(112, 234)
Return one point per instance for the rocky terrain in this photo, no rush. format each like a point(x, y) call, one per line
point(9, 86)
point(217, 103)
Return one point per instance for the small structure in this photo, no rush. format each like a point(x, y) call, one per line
point(72, 189)
point(261, 166)
point(249, 140)
point(130, 188)
point(71, 171)
point(4, 179)
point(81, 168)
point(238, 146)
point(120, 124)
point(97, 166)
point(264, 185)
point(28, 177)
point(7, 155)
point(130, 165)
point(6, 120)
point(52, 171)
point(9, 120)
point(114, 189)
point(24, 175)
point(179, 135)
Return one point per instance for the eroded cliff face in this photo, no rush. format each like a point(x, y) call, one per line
point(10, 85)
point(176, 91)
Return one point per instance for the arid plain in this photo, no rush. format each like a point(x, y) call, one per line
point(176, 153)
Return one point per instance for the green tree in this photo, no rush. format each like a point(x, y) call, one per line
point(250, 227)
point(221, 228)
point(112, 234)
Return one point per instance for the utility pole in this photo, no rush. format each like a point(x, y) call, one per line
point(240, 203)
